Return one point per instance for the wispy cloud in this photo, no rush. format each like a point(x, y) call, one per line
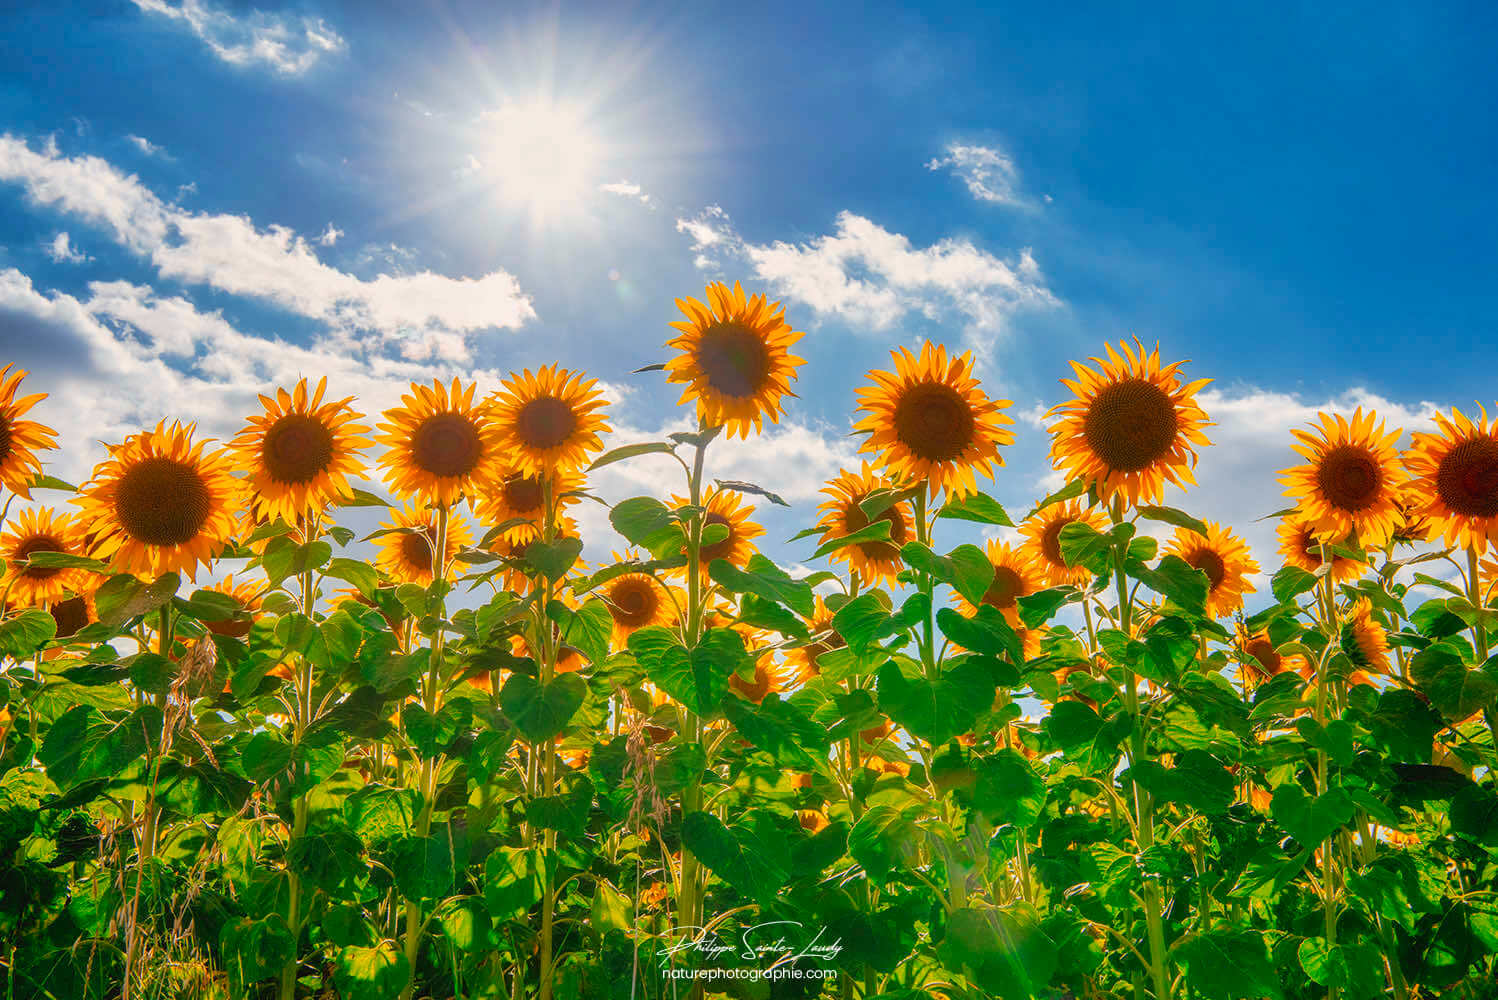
point(330, 236)
point(61, 250)
point(147, 147)
point(628, 189)
point(988, 172)
point(283, 43)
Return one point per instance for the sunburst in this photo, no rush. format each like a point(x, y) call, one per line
point(1454, 479)
point(1364, 640)
point(1299, 547)
point(407, 556)
point(39, 529)
point(635, 600)
point(1042, 534)
point(805, 659)
point(1015, 575)
point(519, 497)
point(725, 507)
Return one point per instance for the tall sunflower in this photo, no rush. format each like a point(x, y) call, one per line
point(39, 529)
point(1131, 426)
point(407, 556)
point(929, 421)
point(804, 659)
point(1364, 640)
point(514, 577)
point(1042, 534)
point(300, 452)
point(635, 600)
point(1224, 558)
point(20, 440)
point(517, 496)
point(1414, 527)
point(438, 444)
point(1299, 547)
point(74, 614)
point(1262, 660)
point(245, 593)
point(875, 562)
point(1015, 575)
point(1350, 480)
point(768, 676)
point(160, 503)
point(549, 420)
point(1455, 478)
point(725, 507)
point(735, 358)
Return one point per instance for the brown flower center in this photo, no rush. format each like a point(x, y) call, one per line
point(633, 601)
point(1050, 541)
point(718, 550)
point(735, 360)
point(856, 520)
point(522, 493)
point(5, 437)
point(1210, 563)
point(1006, 589)
point(447, 444)
point(1349, 477)
point(934, 422)
point(1131, 424)
point(71, 616)
point(417, 549)
point(297, 449)
point(1261, 649)
point(161, 501)
point(1467, 478)
point(39, 543)
point(545, 422)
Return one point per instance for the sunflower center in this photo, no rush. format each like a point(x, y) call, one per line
point(1349, 477)
point(1210, 563)
point(416, 549)
point(1131, 424)
point(447, 444)
point(1006, 588)
point(633, 602)
point(5, 437)
point(39, 543)
point(161, 501)
point(856, 520)
point(1467, 479)
point(734, 359)
point(1263, 650)
point(297, 448)
point(1050, 541)
point(934, 422)
point(718, 550)
point(523, 493)
point(545, 422)
point(70, 615)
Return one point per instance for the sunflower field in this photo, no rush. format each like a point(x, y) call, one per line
point(245, 752)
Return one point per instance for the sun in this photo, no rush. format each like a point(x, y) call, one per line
point(540, 154)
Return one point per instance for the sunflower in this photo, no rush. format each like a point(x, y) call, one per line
point(1042, 535)
point(438, 445)
point(1015, 575)
point(1455, 478)
point(406, 556)
point(160, 504)
point(1350, 482)
point(516, 496)
point(1300, 548)
point(875, 562)
point(1261, 660)
point(74, 614)
point(735, 358)
point(570, 659)
point(824, 640)
point(635, 600)
point(1364, 640)
point(20, 440)
point(725, 507)
point(514, 575)
point(549, 420)
point(39, 529)
point(1224, 558)
point(1131, 427)
point(768, 676)
point(247, 595)
point(300, 452)
point(930, 422)
point(1414, 527)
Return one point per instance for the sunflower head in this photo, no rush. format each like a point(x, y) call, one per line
point(40, 529)
point(1015, 575)
point(875, 562)
point(438, 444)
point(1414, 527)
point(1042, 534)
point(570, 659)
point(1454, 479)
point(160, 503)
point(824, 639)
point(407, 553)
point(726, 508)
point(1225, 560)
point(515, 497)
point(1364, 641)
point(930, 422)
point(20, 440)
point(635, 600)
point(768, 676)
point(74, 614)
point(735, 358)
point(300, 452)
point(1350, 479)
point(1300, 547)
point(550, 420)
point(1261, 659)
point(514, 575)
point(245, 593)
point(1130, 426)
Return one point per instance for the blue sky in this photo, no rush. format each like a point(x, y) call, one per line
point(1298, 199)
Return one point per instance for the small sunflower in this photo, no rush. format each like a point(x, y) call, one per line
point(20, 440)
point(550, 420)
point(406, 556)
point(1262, 660)
point(1225, 558)
point(635, 600)
point(1414, 527)
point(725, 507)
point(438, 445)
point(1131, 426)
point(570, 659)
point(1364, 641)
point(1015, 575)
point(39, 529)
point(161, 504)
point(247, 594)
point(300, 452)
point(735, 358)
point(1454, 478)
point(769, 676)
point(930, 422)
point(514, 577)
point(1042, 535)
point(1300, 548)
point(877, 563)
point(74, 614)
point(1351, 479)
point(824, 639)
point(516, 496)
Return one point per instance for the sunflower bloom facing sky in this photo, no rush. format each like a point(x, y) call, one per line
point(1015, 575)
point(1042, 534)
point(300, 452)
point(161, 504)
point(518, 497)
point(1131, 426)
point(1224, 558)
point(635, 600)
point(1454, 479)
point(407, 556)
point(549, 421)
point(438, 445)
point(725, 507)
point(20, 440)
point(1351, 479)
point(39, 529)
point(876, 562)
point(929, 421)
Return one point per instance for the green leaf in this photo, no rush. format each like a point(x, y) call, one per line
point(1170, 515)
point(1008, 790)
point(1290, 582)
point(979, 507)
point(553, 559)
point(1455, 690)
point(431, 734)
point(540, 711)
point(739, 486)
point(987, 632)
point(362, 575)
point(254, 950)
point(965, 569)
point(1001, 949)
point(376, 973)
point(23, 634)
point(1310, 820)
point(749, 855)
point(362, 498)
point(43, 482)
point(423, 867)
point(631, 451)
point(1176, 579)
point(121, 598)
point(1354, 969)
point(884, 839)
point(65, 560)
point(698, 678)
point(589, 628)
point(763, 578)
point(777, 727)
point(1075, 488)
point(513, 877)
point(940, 709)
point(611, 909)
point(1036, 609)
point(876, 531)
point(1197, 779)
point(1228, 965)
point(640, 517)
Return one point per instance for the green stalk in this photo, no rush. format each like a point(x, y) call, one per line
point(688, 904)
point(300, 723)
point(549, 651)
point(1323, 684)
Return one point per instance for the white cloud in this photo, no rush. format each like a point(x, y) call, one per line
point(330, 236)
point(62, 251)
point(147, 147)
point(989, 174)
point(628, 189)
point(276, 265)
point(282, 43)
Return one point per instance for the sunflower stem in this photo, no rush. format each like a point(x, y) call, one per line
point(549, 650)
point(1323, 685)
point(688, 903)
